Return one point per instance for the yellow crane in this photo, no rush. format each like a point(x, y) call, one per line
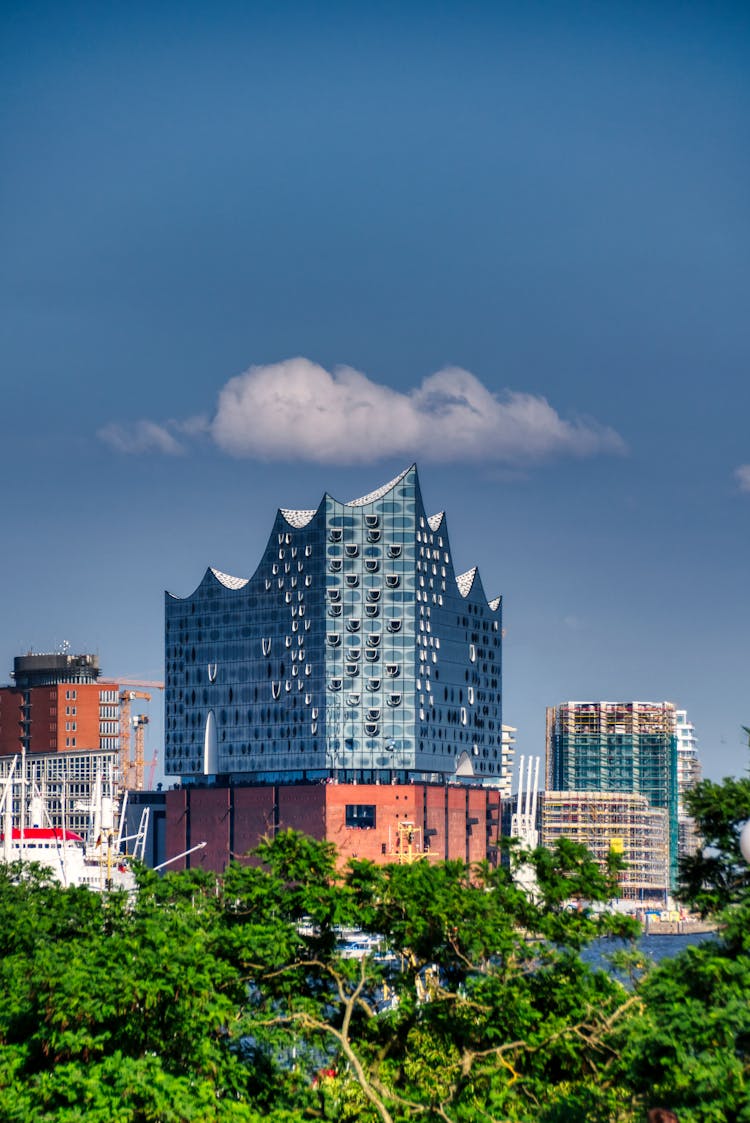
point(132, 765)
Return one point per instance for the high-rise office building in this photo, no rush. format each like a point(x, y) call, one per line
point(57, 704)
point(64, 720)
point(688, 775)
point(625, 747)
point(354, 652)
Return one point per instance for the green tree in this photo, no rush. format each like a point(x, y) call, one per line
point(689, 1045)
point(206, 998)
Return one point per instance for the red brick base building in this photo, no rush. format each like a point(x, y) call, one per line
point(381, 822)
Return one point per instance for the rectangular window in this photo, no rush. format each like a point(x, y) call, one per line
point(361, 815)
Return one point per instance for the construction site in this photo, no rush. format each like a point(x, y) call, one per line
point(619, 823)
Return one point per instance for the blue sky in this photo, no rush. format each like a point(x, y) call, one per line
point(510, 241)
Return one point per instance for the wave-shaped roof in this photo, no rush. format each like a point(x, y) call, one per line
point(379, 492)
point(436, 520)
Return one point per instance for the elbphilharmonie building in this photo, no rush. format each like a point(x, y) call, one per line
point(355, 652)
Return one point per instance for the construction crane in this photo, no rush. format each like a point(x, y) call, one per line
point(132, 770)
point(149, 683)
point(140, 721)
point(127, 765)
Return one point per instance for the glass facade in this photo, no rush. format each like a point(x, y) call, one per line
point(354, 651)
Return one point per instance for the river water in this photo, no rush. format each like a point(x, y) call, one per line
point(655, 947)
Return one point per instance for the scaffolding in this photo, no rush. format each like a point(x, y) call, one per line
point(620, 822)
point(407, 846)
point(616, 747)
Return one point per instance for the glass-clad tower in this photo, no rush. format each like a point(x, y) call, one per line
point(354, 651)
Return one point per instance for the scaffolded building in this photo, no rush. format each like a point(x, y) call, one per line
point(619, 822)
point(625, 747)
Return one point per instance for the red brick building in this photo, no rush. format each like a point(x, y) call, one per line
point(381, 822)
point(56, 704)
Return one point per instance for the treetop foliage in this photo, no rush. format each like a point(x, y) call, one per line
point(234, 998)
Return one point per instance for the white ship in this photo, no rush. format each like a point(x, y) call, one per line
point(97, 860)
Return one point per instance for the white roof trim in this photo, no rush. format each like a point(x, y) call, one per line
point(495, 604)
point(298, 519)
point(465, 581)
point(436, 520)
point(379, 492)
point(229, 582)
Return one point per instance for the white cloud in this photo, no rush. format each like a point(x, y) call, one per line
point(297, 410)
point(147, 436)
point(143, 436)
point(742, 475)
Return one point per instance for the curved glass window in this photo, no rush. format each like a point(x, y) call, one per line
point(394, 551)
